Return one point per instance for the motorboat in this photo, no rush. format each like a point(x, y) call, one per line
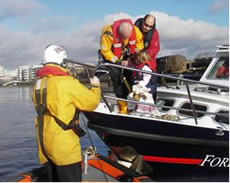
point(187, 140)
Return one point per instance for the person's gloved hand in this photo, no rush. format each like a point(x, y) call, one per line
point(118, 62)
point(95, 82)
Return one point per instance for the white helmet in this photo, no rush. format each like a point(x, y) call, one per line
point(54, 54)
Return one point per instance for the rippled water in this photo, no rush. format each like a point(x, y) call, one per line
point(18, 148)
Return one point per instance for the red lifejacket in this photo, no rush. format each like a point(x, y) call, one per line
point(117, 41)
point(149, 63)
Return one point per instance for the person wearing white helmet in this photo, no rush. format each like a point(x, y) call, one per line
point(58, 98)
point(55, 54)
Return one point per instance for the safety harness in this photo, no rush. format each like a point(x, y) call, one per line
point(41, 109)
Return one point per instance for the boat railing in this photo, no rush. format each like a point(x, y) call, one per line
point(106, 65)
point(187, 82)
point(103, 65)
point(162, 106)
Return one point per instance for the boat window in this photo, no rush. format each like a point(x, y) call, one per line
point(220, 70)
point(164, 102)
point(190, 113)
point(221, 118)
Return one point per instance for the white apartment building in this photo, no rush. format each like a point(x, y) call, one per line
point(27, 72)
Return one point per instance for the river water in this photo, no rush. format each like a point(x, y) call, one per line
point(18, 148)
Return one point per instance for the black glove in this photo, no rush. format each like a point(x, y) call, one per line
point(118, 62)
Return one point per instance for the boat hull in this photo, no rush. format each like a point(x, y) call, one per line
point(176, 152)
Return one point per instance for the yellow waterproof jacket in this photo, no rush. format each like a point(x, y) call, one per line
point(64, 95)
point(106, 42)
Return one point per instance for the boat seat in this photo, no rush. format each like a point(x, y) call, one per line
point(140, 166)
point(129, 154)
point(126, 153)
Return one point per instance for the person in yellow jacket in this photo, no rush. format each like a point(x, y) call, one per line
point(118, 42)
point(57, 97)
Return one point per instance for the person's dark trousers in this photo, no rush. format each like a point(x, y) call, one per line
point(65, 173)
point(155, 81)
point(116, 75)
point(155, 90)
point(155, 96)
point(51, 172)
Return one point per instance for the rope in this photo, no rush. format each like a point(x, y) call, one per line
point(90, 151)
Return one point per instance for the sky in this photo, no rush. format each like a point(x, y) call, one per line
point(191, 28)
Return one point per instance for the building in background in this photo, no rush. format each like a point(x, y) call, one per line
point(27, 72)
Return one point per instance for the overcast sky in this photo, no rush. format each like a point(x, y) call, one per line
point(187, 27)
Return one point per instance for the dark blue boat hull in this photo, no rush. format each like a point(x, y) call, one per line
point(175, 152)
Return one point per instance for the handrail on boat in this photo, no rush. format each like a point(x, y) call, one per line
point(147, 72)
point(167, 107)
point(104, 65)
point(160, 75)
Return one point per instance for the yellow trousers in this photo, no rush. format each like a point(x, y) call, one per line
point(123, 106)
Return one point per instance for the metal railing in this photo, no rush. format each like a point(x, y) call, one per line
point(186, 81)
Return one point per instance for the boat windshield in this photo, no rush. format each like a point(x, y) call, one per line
point(220, 70)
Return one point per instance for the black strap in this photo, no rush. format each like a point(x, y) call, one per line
point(41, 109)
point(70, 124)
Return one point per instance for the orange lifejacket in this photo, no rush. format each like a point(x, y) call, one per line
point(117, 41)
